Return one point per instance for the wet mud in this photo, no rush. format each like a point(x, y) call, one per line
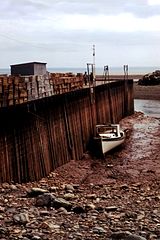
point(110, 198)
point(138, 159)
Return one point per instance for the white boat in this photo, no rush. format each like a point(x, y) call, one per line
point(108, 137)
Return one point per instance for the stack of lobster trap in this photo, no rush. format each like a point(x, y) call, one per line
point(12, 91)
point(65, 82)
point(19, 89)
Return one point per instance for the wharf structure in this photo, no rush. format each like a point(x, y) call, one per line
point(48, 120)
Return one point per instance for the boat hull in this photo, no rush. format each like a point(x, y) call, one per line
point(109, 144)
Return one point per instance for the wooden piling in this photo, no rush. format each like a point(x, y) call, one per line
point(38, 136)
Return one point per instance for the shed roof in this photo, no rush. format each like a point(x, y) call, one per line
point(28, 63)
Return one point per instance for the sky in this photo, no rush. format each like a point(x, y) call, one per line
point(62, 33)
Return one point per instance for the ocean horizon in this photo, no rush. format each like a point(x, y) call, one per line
point(99, 70)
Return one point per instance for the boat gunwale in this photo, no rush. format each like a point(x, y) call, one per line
point(112, 139)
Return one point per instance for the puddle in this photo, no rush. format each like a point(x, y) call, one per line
point(148, 107)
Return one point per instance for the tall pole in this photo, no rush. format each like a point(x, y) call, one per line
point(94, 69)
point(125, 67)
point(92, 89)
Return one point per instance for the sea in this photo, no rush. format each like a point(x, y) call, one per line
point(99, 70)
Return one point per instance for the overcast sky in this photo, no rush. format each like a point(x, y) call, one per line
point(62, 32)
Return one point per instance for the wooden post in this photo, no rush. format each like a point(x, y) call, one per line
point(92, 83)
point(125, 89)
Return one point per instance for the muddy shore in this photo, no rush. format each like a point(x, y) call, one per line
point(115, 198)
point(140, 92)
point(146, 92)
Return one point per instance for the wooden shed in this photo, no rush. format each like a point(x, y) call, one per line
point(31, 68)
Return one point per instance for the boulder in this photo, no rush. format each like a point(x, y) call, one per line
point(34, 192)
point(150, 79)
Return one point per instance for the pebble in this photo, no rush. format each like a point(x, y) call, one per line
point(111, 208)
point(99, 230)
point(44, 200)
point(49, 225)
point(60, 202)
point(69, 196)
point(69, 187)
point(21, 218)
point(126, 236)
point(59, 209)
point(2, 209)
point(78, 209)
point(13, 187)
point(34, 192)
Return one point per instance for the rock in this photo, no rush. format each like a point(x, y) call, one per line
point(100, 209)
point(2, 209)
point(69, 187)
point(157, 198)
point(126, 236)
point(131, 215)
point(13, 187)
point(3, 230)
point(5, 185)
point(78, 236)
point(49, 225)
point(60, 202)
point(50, 200)
point(34, 192)
point(21, 218)
point(36, 238)
point(78, 209)
point(99, 230)
point(89, 207)
point(91, 196)
point(105, 197)
point(153, 236)
point(62, 210)
point(69, 196)
point(97, 200)
point(140, 216)
point(53, 189)
point(111, 208)
point(124, 186)
point(150, 79)
point(44, 200)
point(44, 213)
point(75, 186)
point(11, 210)
point(86, 156)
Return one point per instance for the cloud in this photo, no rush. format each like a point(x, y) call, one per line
point(120, 23)
point(154, 2)
point(56, 29)
point(141, 8)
